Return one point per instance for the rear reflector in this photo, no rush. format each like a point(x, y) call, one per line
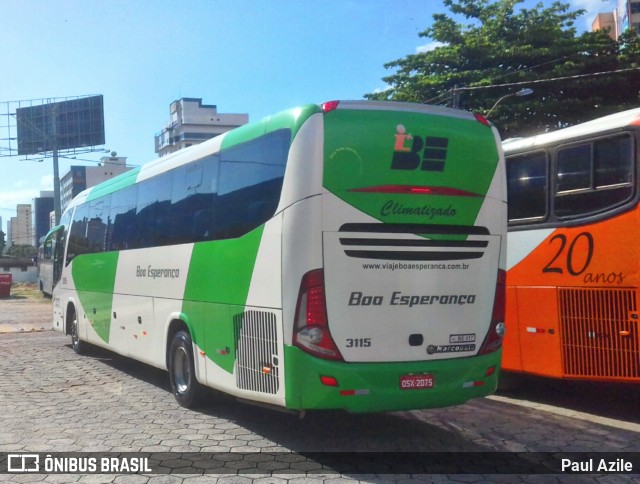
point(349, 393)
point(490, 371)
point(471, 384)
point(328, 381)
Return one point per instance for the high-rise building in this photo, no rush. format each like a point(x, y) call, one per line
point(632, 14)
point(21, 228)
point(80, 178)
point(192, 123)
point(42, 208)
point(606, 21)
point(625, 16)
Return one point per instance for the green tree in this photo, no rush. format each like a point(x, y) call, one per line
point(498, 51)
point(22, 250)
point(2, 243)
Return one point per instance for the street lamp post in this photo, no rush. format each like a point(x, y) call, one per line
point(522, 92)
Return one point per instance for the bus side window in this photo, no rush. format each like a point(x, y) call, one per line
point(153, 212)
point(527, 187)
point(193, 200)
point(78, 242)
point(594, 177)
point(122, 219)
point(97, 224)
point(250, 183)
point(47, 249)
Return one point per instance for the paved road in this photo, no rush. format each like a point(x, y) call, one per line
point(25, 315)
point(52, 400)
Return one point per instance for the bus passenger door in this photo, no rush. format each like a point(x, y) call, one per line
point(58, 255)
point(51, 259)
point(540, 342)
point(511, 353)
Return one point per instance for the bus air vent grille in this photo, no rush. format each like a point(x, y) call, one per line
point(399, 241)
point(257, 351)
point(600, 337)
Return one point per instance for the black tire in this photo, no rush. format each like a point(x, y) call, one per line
point(182, 372)
point(79, 346)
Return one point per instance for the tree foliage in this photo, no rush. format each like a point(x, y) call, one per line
point(22, 250)
point(497, 51)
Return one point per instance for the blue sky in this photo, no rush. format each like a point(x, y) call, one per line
point(245, 56)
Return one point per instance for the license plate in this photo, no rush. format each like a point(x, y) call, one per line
point(417, 382)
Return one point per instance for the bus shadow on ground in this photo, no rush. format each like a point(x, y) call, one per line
point(136, 369)
point(612, 400)
point(356, 444)
point(323, 431)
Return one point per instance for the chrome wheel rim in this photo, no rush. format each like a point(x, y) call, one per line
point(181, 371)
point(74, 332)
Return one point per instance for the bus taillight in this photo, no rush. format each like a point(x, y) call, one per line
point(481, 119)
point(493, 340)
point(311, 331)
point(329, 106)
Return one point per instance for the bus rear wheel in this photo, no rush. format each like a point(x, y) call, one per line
point(182, 372)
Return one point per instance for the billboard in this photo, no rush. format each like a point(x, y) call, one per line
point(622, 12)
point(61, 125)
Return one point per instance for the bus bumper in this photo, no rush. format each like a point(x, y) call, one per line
point(375, 387)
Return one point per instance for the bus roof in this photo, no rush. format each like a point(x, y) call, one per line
point(605, 123)
point(291, 118)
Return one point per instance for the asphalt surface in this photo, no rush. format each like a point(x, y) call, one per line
point(53, 401)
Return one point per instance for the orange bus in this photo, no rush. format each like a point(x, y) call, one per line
point(573, 252)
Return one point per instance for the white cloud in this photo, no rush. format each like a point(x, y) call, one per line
point(592, 8)
point(429, 47)
point(378, 90)
point(19, 195)
point(46, 182)
point(9, 200)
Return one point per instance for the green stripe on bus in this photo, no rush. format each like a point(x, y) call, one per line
point(94, 276)
point(217, 289)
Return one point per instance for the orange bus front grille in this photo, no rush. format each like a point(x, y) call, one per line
point(599, 333)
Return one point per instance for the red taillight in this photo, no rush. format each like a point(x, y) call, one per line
point(329, 106)
point(481, 119)
point(311, 331)
point(493, 340)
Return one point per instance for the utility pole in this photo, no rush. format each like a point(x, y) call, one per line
point(56, 174)
point(455, 92)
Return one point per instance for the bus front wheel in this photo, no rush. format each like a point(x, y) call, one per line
point(77, 344)
point(182, 373)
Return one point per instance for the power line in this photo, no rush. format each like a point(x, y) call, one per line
point(539, 81)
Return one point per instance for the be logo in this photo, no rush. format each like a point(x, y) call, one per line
point(411, 152)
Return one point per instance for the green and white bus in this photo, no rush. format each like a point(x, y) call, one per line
point(343, 256)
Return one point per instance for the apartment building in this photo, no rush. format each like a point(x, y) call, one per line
point(191, 123)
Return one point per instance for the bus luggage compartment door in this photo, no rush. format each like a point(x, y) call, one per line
point(537, 309)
